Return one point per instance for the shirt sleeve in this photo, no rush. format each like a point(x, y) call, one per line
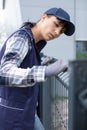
point(10, 72)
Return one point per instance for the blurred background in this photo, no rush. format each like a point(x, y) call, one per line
point(59, 104)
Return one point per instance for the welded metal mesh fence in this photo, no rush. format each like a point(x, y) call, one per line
point(59, 103)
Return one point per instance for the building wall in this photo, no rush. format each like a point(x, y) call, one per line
point(81, 20)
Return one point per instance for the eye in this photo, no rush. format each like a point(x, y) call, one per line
point(56, 24)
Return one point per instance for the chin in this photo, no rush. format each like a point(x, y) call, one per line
point(50, 39)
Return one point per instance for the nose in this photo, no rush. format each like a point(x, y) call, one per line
point(57, 32)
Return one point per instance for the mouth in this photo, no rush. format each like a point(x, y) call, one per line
point(51, 36)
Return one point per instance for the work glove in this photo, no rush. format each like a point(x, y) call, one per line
point(47, 60)
point(56, 67)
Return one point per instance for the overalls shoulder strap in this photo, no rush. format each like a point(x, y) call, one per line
point(4, 46)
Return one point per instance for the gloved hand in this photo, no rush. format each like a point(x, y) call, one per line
point(56, 67)
point(46, 61)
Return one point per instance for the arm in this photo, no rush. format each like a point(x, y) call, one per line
point(10, 72)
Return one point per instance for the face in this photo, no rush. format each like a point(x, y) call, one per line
point(51, 27)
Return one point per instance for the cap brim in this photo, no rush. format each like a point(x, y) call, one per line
point(70, 29)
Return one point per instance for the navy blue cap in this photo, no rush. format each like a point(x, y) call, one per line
point(63, 15)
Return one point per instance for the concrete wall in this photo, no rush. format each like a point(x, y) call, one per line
point(81, 20)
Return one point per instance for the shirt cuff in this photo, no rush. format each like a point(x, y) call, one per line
point(39, 74)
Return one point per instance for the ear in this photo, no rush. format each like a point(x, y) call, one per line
point(44, 16)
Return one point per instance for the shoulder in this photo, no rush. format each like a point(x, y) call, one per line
point(22, 33)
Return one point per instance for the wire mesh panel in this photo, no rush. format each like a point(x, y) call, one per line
point(54, 100)
point(59, 102)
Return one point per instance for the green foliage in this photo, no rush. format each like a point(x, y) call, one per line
point(81, 55)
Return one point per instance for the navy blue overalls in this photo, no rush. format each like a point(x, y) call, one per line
point(18, 105)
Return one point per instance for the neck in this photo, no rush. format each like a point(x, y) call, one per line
point(36, 33)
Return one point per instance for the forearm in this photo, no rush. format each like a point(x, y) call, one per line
point(11, 75)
